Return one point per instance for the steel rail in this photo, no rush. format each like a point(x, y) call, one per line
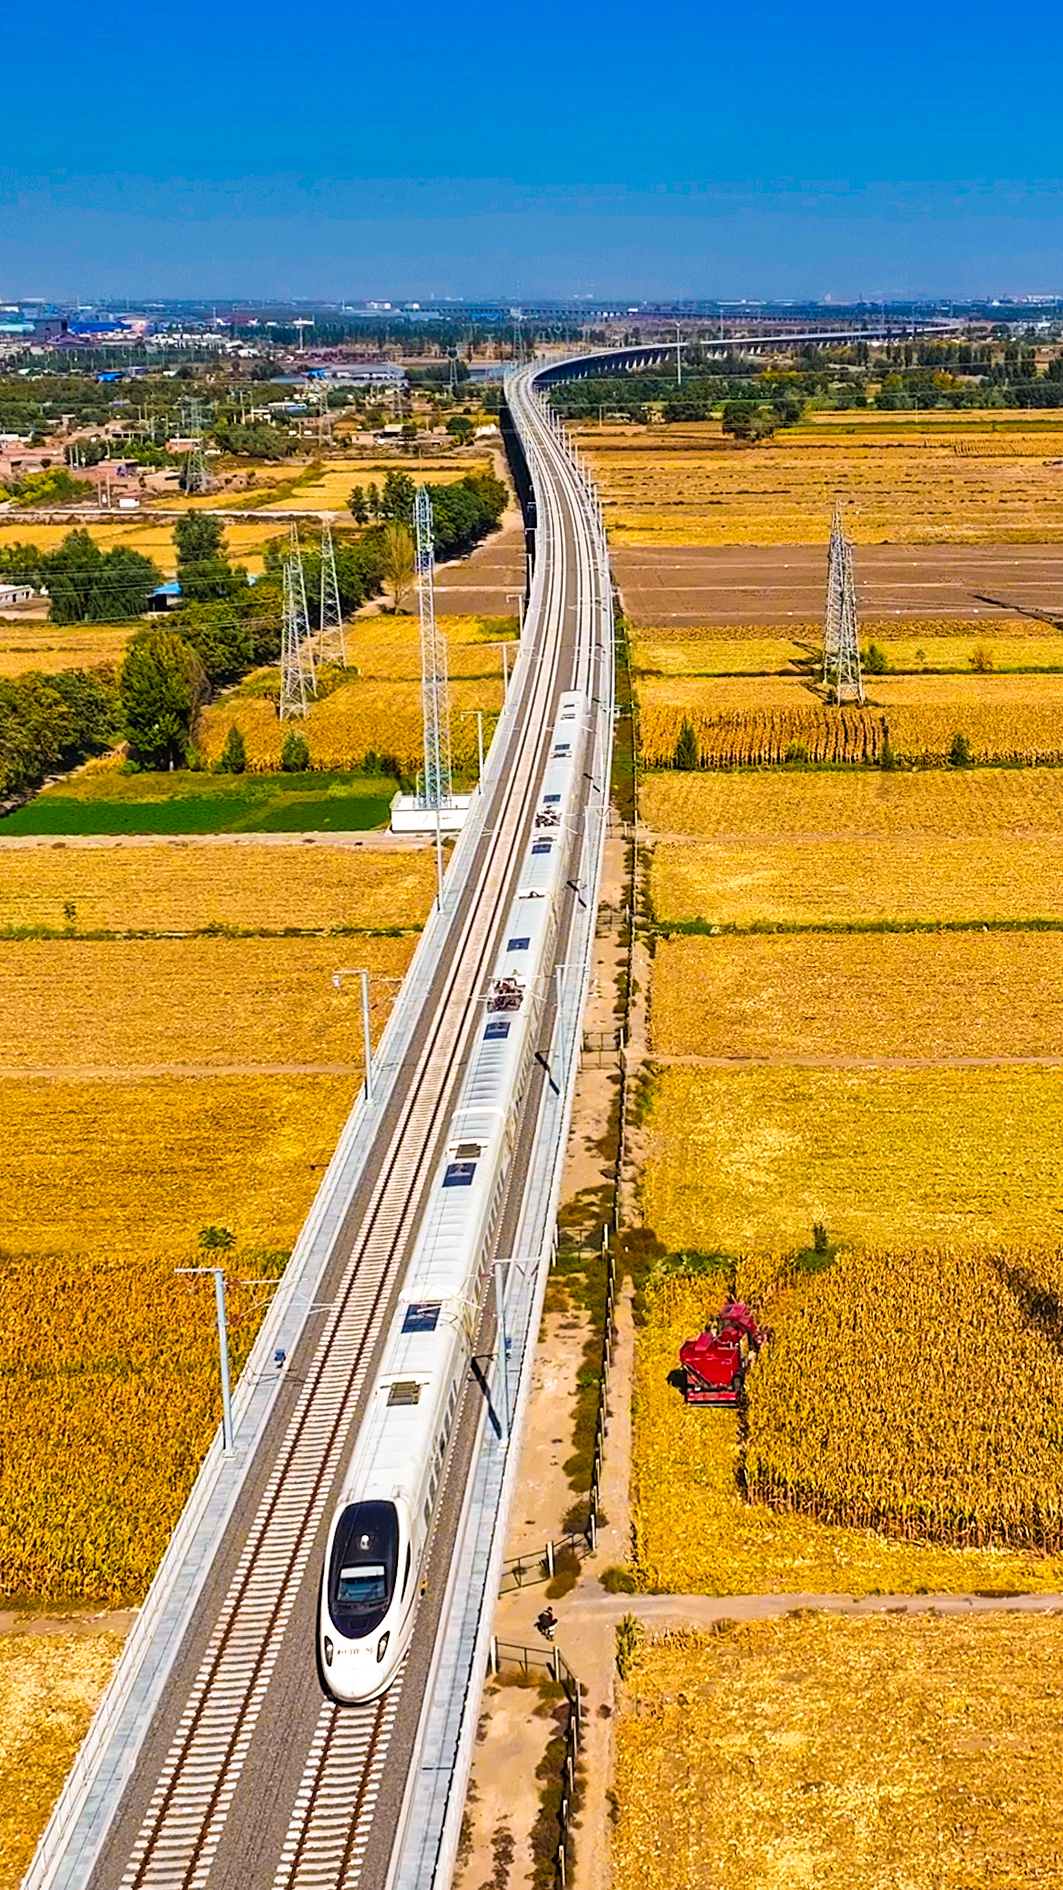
point(205, 1760)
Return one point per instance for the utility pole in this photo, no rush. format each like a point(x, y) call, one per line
point(435, 691)
point(332, 644)
point(297, 658)
point(223, 1353)
point(367, 1038)
point(841, 641)
point(678, 357)
point(197, 478)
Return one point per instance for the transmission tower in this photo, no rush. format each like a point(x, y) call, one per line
point(331, 643)
point(297, 658)
point(841, 642)
point(197, 478)
point(435, 695)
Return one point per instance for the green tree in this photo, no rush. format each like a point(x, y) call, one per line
point(357, 505)
point(372, 498)
point(295, 754)
point(160, 685)
point(203, 568)
point(461, 429)
point(233, 759)
point(87, 585)
point(398, 559)
point(397, 499)
point(687, 752)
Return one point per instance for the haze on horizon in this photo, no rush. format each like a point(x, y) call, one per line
point(773, 153)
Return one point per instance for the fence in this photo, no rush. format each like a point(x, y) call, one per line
point(603, 1388)
point(539, 1565)
point(508, 1654)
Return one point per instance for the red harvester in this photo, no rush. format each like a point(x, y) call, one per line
point(716, 1361)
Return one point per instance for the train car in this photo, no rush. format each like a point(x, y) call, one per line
point(371, 1579)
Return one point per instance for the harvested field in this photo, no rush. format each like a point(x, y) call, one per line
point(752, 1159)
point(675, 650)
point(727, 585)
point(50, 1685)
point(853, 1754)
point(857, 882)
point(897, 490)
point(182, 888)
point(119, 1005)
point(694, 1532)
point(847, 1422)
point(924, 996)
point(947, 801)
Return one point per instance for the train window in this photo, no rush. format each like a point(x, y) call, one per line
point(518, 944)
point(459, 1174)
point(422, 1318)
point(561, 749)
point(498, 1027)
point(364, 1586)
point(543, 846)
point(404, 1391)
point(551, 800)
point(409, 1560)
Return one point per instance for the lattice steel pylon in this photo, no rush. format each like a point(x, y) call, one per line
point(298, 680)
point(841, 641)
point(331, 642)
point(435, 691)
point(196, 476)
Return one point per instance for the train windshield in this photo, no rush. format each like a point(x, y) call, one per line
point(361, 1579)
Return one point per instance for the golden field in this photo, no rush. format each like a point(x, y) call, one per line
point(749, 720)
point(694, 1532)
point(805, 882)
point(950, 802)
point(124, 1005)
point(688, 486)
point(870, 1753)
point(873, 1405)
point(182, 886)
point(753, 1158)
point(361, 716)
point(49, 1688)
point(923, 646)
point(110, 1392)
point(244, 1152)
point(926, 996)
point(50, 646)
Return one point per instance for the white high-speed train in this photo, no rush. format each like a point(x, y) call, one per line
point(371, 1579)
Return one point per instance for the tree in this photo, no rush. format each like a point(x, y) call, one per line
point(357, 505)
point(203, 568)
point(87, 585)
point(398, 559)
point(233, 758)
point(295, 754)
point(160, 685)
point(960, 755)
point(461, 429)
point(216, 1239)
point(372, 498)
point(687, 752)
point(398, 497)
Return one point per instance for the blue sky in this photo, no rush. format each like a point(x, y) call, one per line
point(768, 150)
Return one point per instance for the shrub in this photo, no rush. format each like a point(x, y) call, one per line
point(960, 755)
point(981, 659)
point(295, 754)
point(874, 660)
point(234, 754)
point(687, 755)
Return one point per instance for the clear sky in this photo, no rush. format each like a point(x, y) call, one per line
point(763, 150)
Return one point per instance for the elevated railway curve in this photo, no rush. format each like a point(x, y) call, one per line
point(215, 1759)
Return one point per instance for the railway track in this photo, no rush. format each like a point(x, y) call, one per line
point(174, 1838)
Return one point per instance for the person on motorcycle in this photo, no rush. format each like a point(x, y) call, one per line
point(546, 1623)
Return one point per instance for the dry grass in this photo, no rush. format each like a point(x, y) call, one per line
point(943, 801)
point(682, 486)
point(752, 1159)
point(922, 645)
point(49, 1685)
point(849, 1754)
point(902, 878)
point(50, 647)
point(695, 1534)
point(181, 887)
point(926, 995)
point(708, 655)
point(121, 1005)
point(359, 717)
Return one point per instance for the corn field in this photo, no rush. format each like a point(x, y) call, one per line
point(920, 1395)
point(1021, 733)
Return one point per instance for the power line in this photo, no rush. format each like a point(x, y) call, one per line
point(435, 693)
point(841, 641)
point(297, 658)
point(331, 643)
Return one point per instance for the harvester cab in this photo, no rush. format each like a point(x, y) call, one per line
point(716, 1362)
